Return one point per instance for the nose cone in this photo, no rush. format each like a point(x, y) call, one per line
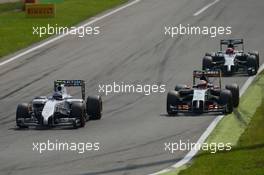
point(48, 111)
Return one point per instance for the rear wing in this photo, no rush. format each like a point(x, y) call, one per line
point(204, 75)
point(231, 42)
point(71, 83)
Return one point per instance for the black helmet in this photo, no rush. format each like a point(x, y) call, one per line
point(231, 46)
point(59, 88)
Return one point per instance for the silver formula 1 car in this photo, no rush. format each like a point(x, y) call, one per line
point(203, 96)
point(232, 60)
point(60, 109)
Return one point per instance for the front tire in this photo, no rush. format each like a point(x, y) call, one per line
point(227, 100)
point(234, 88)
point(256, 54)
point(22, 112)
point(252, 64)
point(78, 111)
point(172, 100)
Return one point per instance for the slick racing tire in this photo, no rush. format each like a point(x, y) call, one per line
point(172, 100)
point(78, 111)
point(256, 54)
point(94, 107)
point(208, 54)
point(226, 99)
point(252, 63)
point(207, 62)
point(234, 88)
point(180, 87)
point(22, 112)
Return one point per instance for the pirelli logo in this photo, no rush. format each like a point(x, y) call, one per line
point(40, 10)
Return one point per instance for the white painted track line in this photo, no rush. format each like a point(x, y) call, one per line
point(63, 35)
point(205, 8)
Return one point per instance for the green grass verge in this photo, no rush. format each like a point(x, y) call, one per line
point(16, 30)
point(245, 130)
point(5, 7)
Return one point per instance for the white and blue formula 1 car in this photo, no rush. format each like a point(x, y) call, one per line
point(60, 109)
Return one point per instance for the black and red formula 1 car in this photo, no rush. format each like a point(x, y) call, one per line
point(204, 96)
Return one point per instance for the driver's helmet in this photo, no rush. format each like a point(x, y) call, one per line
point(204, 77)
point(229, 51)
point(231, 46)
point(59, 88)
point(202, 84)
point(57, 95)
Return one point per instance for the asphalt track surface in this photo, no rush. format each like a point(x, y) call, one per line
point(131, 48)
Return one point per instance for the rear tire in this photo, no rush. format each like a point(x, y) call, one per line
point(172, 100)
point(180, 87)
point(226, 99)
point(207, 62)
point(22, 112)
point(94, 107)
point(208, 54)
point(234, 88)
point(78, 111)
